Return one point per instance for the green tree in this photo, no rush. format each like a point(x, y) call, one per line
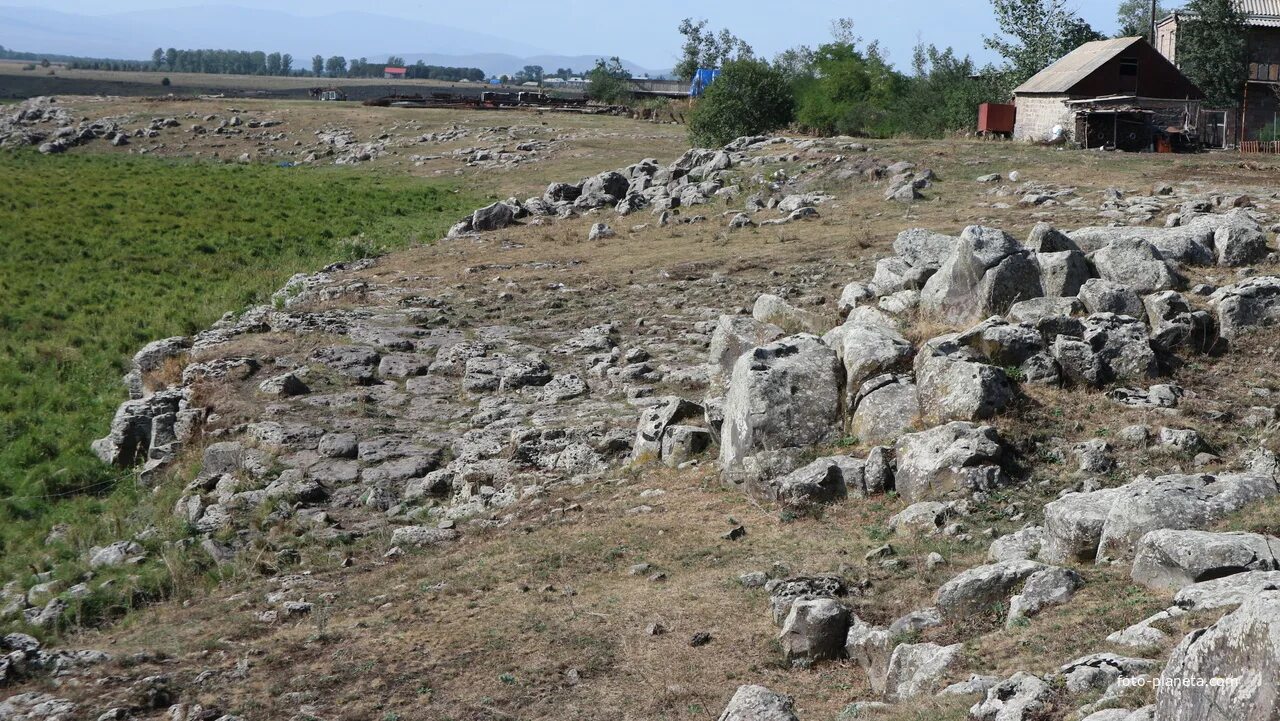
point(157, 58)
point(336, 66)
point(851, 90)
point(1134, 18)
point(943, 94)
point(530, 73)
point(1036, 33)
point(286, 64)
point(171, 58)
point(273, 64)
point(607, 82)
point(703, 48)
point(395, 61)
point(1212, 50)
point(317, 66)
point(749, 97)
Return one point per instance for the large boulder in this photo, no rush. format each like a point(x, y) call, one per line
point(821, 481)
point(735, 335)
point(1073, 525)
point(1045, 238)
point(867, 344)
point(1136, 263)
point(611, 183)
point(1174, 323)
point(493, 217)
point(1238, 239)
point(656, 420)
point(1226, 592)
point(977, 591)
point(1109, 348)
point(1063, 272)
point(1175, 502)
point(790, 591)
point(815, 630)
point(956, 458)
point(1052, 586)
point(919, 668)
point(870, 648)
point(757, 703)
point(986, 272)
point(1238, 659)
point(954, 384)
point(783, 395)
point(1249, 304)
point(1108, 296)
point(1021, 697)
point(775, 311)
point(1170, 559)
point(923, 248)
point(885, 407)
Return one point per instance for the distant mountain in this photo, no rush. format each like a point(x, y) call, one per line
point(133, 35)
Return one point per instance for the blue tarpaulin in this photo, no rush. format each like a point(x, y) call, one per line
point(702, 80)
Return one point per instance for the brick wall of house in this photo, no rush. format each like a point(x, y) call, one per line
point(1037, 114)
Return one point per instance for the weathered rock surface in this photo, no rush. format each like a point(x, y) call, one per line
point(757, 703)
point(953, 459)
point(1169, 559)
point(783, 395)
point(1244, 649)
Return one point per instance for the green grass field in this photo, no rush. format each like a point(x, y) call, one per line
point(100, 254)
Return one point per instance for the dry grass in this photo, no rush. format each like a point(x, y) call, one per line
point(542, 618)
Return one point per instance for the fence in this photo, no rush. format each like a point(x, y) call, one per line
point(1265, 147)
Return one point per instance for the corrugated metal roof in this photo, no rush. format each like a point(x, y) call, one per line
point(1258, 13)
point(1076, 66)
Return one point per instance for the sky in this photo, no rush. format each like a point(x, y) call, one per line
point(645, 32)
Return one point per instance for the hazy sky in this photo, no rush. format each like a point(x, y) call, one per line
point(644, 31)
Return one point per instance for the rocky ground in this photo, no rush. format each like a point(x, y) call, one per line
point(789, 429)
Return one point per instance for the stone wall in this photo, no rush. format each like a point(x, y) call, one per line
point(1037, 114)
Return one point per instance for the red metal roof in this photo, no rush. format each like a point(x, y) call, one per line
point(396, 71)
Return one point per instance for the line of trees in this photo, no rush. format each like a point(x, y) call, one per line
point(257, 62)
point(845, 86)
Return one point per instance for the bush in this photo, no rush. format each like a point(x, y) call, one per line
point(607, 82)
point(748, 98)
point(164, 82)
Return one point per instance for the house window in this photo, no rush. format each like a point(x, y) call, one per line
point(1128, 67)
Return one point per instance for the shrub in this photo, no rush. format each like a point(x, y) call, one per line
point(607, 82)
point(164, 82)
point(749, 97)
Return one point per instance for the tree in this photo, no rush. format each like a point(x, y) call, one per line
point(703, 48)
point(157, 58)
point(336, 66)
point(749, 97)
point(171, 58)
point(1036, 33)
point(286, 64)
point(530, 73)
point(317, 66)
point(1212, 50)
point(944, 93)
point(607, 82)
point(395, 61)
point(850, 89)
point(1134, 18)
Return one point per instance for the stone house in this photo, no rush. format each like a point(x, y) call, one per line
point(1108, 93)
point(1258, 107)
